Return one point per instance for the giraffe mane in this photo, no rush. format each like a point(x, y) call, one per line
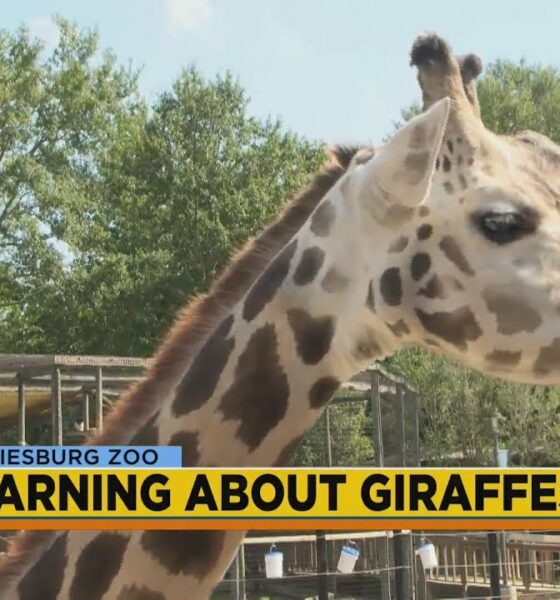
point(192, 327)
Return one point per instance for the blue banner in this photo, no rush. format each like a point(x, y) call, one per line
point(80, 457)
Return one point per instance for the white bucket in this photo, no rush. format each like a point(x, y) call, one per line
point(273, 563)
point(508, 593)
point(427, 553)
point(503, 458)
point(347, 560)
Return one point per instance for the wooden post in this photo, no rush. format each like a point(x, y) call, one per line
point(402, 428)
point(422, 586)
point(494, 560)
point(463, 569)
point(322, 567)
point(329, 444)
point(379, 455)
point(242, 586)
point(99, 399)
point(21, 410)
point(320, 540)
point(234, 592)
point(402, 575)
point(85, 410)
point(525, 567)
point(400, 545)
point(56, 408)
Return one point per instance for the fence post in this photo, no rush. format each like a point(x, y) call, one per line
point(21, 410)
point(56, 407)
point(234, 591)
point(401, 546)
point(322, 566)
point(85, 410)
point(328, 429)
point(379, 455)
point(494, 560)
point(242, 586)
point(320, 540)
point(99, 399)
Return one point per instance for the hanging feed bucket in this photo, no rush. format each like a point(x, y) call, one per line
point(503, 458)
point(273, 563)
point(427, 552)
point(348, 557)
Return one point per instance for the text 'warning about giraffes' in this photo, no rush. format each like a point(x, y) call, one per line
point(163, 495)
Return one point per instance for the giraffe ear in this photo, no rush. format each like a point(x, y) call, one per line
point(404, 168)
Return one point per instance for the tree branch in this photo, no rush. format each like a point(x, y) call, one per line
point(7, 207)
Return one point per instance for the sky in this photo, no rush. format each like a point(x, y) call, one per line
point(335, 71)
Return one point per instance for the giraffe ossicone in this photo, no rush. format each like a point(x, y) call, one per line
point(447, 237)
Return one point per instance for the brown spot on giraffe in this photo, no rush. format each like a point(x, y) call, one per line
point(456, 327)
point(269, 282)
point(188, 442)
point(440, 287)
point(420, 265)
point(513, 314)
point(202, 378)
point(548, 359)
point(453, 252)
point(398, 245)
point(450, 146)
point(424, 211)
point(399, 328)
point(149, 434)
point(97, 566)
point(424, 232)
point(503, 358)
point(334, 281)
point(446, 164)
point(313, 335)
point(133, 592)
point(322, 391)
point(323, 219)
point(44, 580)
point(391, 286)
point(189, 552)
point(448, 187)
point(370, 298)
point(309, 265)
point(463, 181)
point(258, 396)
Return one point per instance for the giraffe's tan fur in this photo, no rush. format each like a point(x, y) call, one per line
point(402, 250)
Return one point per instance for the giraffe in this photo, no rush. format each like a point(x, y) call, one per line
point(446, 238)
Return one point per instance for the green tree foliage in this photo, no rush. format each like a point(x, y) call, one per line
point(117, 212)
point(456, 403)
point(56, 114)
point(350, 427)
point(518, 96)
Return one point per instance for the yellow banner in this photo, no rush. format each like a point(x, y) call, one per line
point(280, 494)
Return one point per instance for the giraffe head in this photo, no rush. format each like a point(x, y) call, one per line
point(472, 261)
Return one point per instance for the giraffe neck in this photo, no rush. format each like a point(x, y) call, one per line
point(306, 325)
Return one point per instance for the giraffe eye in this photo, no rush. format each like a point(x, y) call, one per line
point(505, 227)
